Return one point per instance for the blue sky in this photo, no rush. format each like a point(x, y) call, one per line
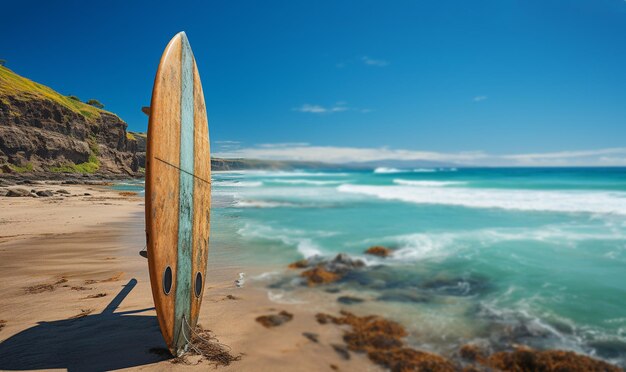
point(521, 82)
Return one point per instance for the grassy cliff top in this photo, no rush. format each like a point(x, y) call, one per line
point(12, 84)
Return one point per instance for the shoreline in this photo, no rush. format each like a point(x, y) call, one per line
point(55, 275)
point(74, 276)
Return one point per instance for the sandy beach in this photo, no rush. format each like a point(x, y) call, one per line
point(76, 295)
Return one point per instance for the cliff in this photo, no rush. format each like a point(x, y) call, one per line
point(43, 131)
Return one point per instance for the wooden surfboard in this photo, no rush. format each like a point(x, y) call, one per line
point(178, 193)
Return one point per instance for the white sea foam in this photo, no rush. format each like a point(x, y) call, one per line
point(601, 202)
point(303, 241)
point(282, 297)
point(385, 170)
point(420, 246)
point(306, 182)
point(267, 173)
point(400, 181)
point(238, 183)
point(263, 204)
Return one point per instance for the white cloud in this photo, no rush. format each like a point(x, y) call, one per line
point(567, 157)
point(314, 109)
point(480, 98)
point(374, 62)
point(318, 109)
point(223, 145)
point(338, 154)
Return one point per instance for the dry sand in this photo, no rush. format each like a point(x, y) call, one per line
point(75, 295)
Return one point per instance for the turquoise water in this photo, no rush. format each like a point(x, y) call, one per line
point(495, 256)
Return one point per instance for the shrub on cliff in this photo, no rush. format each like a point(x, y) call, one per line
point(74, 98)
point(95, 103)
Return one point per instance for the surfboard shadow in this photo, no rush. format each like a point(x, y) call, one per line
point(105, 341)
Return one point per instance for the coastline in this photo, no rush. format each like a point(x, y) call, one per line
point(59, 254)
point(76, 295)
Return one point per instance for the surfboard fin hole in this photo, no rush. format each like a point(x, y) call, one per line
point(167, 280)
point(198, 285)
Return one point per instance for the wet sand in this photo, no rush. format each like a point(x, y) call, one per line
point(75, 295)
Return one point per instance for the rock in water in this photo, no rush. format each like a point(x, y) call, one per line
point(379, 251)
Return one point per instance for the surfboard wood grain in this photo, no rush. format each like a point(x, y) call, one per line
point(178, 193)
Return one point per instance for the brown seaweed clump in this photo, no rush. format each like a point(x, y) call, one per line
point(300, 264)
point(274, 320)
point(205, 343)
point(3, 323)
point(319, 275)
point(207, 346)
point(526, 359)
point(407, 359)
point(382, 340)
point(379, 251)
point(472, 353)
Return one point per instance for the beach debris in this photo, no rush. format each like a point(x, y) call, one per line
point(314, 337)
point(204, 344)
point(342, 351)
point(231, 297)
point(46, 287)
point(113, 278)
point(349, 300)
point(18, 192)
point(83, 313)
point(379, 251)
point(3, 324)
point(274, 320)
point(81, 288)
point(97, 295)
point(334, 367)
point(241, 281)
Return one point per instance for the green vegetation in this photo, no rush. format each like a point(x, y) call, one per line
point(28, 167)
point(74, 98)
point(3, 62)
point(95, 103)
point(87, 167)
point(21, 88)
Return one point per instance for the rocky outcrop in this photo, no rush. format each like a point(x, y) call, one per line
point(42, 131)
point(379, 251)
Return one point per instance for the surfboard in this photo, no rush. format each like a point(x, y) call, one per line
point(178, 193)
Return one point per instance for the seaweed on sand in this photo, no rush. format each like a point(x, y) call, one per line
point(208, 347)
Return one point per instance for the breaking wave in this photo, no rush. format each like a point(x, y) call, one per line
point(599, 202)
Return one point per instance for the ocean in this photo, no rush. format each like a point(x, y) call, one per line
point(498, 256)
